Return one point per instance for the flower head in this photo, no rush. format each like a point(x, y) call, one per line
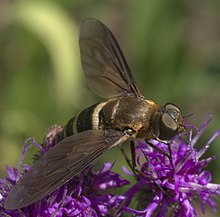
point(88, 194)
point(170, 189)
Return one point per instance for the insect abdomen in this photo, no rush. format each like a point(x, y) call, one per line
point(87, 119)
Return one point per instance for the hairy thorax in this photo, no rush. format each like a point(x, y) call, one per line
point(130, 113)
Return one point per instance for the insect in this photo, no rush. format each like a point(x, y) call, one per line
point(125, 116)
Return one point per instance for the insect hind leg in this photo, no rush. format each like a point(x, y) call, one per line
point(131, 162)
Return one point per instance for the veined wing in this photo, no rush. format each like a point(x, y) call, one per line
point(104, 65)
point(60, 164)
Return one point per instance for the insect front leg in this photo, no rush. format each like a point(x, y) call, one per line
point(163, 152)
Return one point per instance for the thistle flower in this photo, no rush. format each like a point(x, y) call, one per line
point(87, 194)
point(162, 188)
point(166, 189)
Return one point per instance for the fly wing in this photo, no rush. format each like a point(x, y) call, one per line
point(60, 164)
point(104, 65)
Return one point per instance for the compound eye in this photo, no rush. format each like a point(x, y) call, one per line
point(170, 106)
point(169, 122)
point(165, 127)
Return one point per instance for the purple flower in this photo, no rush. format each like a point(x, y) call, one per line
point(88, 194)
point(166, 189)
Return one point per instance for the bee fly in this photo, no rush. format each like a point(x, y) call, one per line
point(126, 115)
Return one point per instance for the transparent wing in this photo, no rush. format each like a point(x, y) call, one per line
point(104, 65)
point(60, 164)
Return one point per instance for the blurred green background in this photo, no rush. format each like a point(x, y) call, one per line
point(172, 47)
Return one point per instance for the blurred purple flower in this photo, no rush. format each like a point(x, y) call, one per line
point(163, 189)
point(88, 194)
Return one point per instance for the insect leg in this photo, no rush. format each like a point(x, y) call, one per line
point(163, 152)
point(133, 155)
point(156, 148)
point(154, 179)
point(131, 163)
point(170, 154)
